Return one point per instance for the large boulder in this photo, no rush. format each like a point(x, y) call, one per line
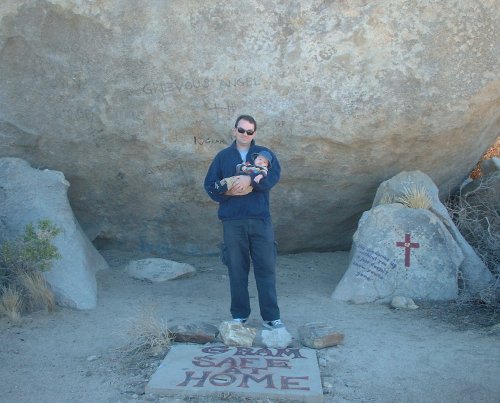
point(400, 251)
point(28, 195)
point(473, 272)
point(407, 245)
point(132, 100)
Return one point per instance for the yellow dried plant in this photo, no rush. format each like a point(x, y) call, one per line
point(11, 303)
point(38, 294)
point(415, 197)
point(387, 199)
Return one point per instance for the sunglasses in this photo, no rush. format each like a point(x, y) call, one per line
point(248, 132)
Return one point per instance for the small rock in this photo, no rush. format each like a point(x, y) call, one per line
point(157, 270)
point(319, 335)
point(92, 358)
point(400, 302)
point(236, 334)
point(276, 338)
point(194, 333)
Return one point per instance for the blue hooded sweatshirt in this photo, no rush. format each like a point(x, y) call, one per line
point(252, 205)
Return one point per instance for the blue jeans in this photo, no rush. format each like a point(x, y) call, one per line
point(245, 239)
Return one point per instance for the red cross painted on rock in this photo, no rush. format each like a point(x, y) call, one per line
point(408, 245)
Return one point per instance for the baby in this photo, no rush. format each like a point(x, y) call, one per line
point(261, 164)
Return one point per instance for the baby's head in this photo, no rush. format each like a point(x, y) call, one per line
point(263, 159)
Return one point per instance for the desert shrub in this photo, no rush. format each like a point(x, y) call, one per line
point(148, 335)
point(476, 214)
point(22, 262)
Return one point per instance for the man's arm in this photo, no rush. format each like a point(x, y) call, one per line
point(240, 186)
point(214, 174)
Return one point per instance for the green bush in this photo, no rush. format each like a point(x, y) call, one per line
point(32, 251)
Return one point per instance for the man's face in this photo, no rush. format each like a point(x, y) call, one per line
point(261, 161)
point(243, 139)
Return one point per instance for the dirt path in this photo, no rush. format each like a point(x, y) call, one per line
point(437, 353)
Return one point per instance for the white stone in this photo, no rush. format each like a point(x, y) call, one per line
point(400, 302)
point(276, 338)
point(158, 270)
point(28, 195)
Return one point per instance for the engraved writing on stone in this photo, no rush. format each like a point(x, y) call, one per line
point(184, 85)
point(371, 264)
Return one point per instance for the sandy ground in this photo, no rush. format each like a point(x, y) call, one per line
point(438, 353)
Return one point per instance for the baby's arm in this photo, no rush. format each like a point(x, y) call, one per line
point(258, 178)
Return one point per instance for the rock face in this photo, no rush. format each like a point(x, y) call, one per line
point(132, 102)
point(29, 195)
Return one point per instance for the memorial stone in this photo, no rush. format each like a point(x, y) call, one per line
point(283, 373)
point(400, 251)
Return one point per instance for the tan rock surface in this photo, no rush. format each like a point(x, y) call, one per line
point(131, 103)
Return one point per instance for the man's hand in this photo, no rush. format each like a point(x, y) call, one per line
point(241, 187)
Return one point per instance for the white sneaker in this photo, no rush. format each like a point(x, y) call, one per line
point(240, 320)
point(274, 324)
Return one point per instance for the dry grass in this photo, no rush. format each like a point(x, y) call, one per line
point(37, 293)
point(477, 216)
point(414, 197)
point(387, 199)
point(148, 335)
point(11, 303)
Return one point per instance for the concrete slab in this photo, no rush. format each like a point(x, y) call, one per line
point(285, 373)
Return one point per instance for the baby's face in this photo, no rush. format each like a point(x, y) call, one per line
point(261, 161)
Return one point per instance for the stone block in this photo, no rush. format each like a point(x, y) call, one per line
point(199, 333)
point(287, 374)
point(319, 335)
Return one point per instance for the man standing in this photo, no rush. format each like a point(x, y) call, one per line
point(246, 220)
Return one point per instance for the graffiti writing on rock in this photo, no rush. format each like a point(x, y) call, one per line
point(371, 264)
point(208, 140)
point(184, 85)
